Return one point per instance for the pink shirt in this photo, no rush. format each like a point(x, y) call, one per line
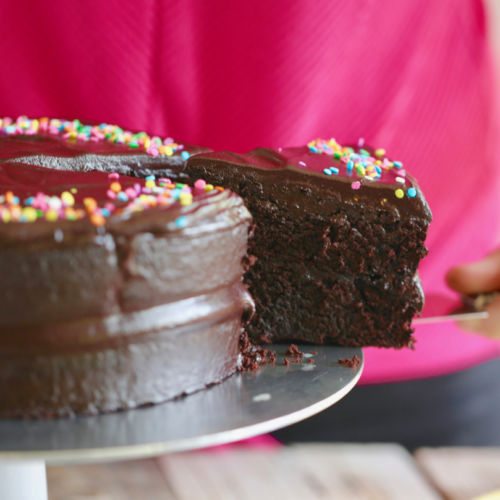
point(411, 76)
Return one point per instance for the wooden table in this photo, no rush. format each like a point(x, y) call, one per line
point(311, 471)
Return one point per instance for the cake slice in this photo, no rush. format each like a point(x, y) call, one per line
point(339, 234)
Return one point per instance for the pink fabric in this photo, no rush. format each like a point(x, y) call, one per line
point(414, 77)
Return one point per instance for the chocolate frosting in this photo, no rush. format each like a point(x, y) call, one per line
point(298, 166)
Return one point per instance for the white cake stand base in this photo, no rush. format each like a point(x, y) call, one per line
point(20, 480)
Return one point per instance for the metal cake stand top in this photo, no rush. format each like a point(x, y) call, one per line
point(243, 406)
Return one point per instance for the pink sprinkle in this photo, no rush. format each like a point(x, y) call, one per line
point(152, 151)
point(168, 140)
point(402, 172)
point(356, 185)
point(199, 186)
point(114, 175)
point(131, 193)
point(147, 190)
point(166, 181)
point(344, 159)
point(361, 142)
point(111, 194)
point(302, 164)
point(109, 206)
point(137, 187)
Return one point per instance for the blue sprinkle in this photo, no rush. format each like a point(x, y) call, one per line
point(378, 169)
point(181, 221)
point(29, 201)
point(327, 171)
point(334, 170)
point(350, 165)
point(175, 193)
point(185, 155)
point(398, 164)
point(150, 178)
point(15, 200)
point(314, 149)
point(122, 196)
point(105, 212)
point(412, 192)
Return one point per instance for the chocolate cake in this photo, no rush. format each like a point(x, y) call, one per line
point(339, 234)
point(117, 291)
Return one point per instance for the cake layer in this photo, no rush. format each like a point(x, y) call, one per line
point(124, 360)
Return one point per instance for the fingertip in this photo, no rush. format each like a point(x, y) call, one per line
point(457, 278)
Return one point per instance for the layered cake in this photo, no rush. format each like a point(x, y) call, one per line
point(339, 234)
point(122, 261)
point(117, 291)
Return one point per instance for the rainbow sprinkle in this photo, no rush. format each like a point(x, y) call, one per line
point(365, 165)
point(77, 131)
point(154, 193)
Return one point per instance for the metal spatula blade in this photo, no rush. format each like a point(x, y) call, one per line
point(442, 308)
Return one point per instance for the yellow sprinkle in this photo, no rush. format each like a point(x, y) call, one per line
point(6, 217)
point(67, 198)
point(74, 190)
point(186, 198)
point(29, 214)
point(399, 193)
point(169, 151)
point(51, 215)
point(150, 184)
point(379, 152)
point(209, 187)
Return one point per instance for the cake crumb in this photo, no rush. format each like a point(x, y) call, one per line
point(294, 352)
point(353, 362)
point(253, 356)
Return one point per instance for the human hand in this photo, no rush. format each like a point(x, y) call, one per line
point(482, 276)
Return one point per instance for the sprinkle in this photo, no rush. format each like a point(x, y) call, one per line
point(51, 215)
point(327, 171)
point(181, 221)
point(412, 192)
point(400, 180)
point(115, 187)
point(199, 186)
point(398, 164)
point(209, 187)
point(185, 199)
point(68, 199)
point(399, 193)
point(356, 185)
point(361, 142)
point(334, 170)
point(379, 152)
point(28, 214)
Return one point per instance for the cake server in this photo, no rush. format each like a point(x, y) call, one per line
point(442, 308)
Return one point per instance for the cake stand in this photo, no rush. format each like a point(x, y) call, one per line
point(243, 406)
